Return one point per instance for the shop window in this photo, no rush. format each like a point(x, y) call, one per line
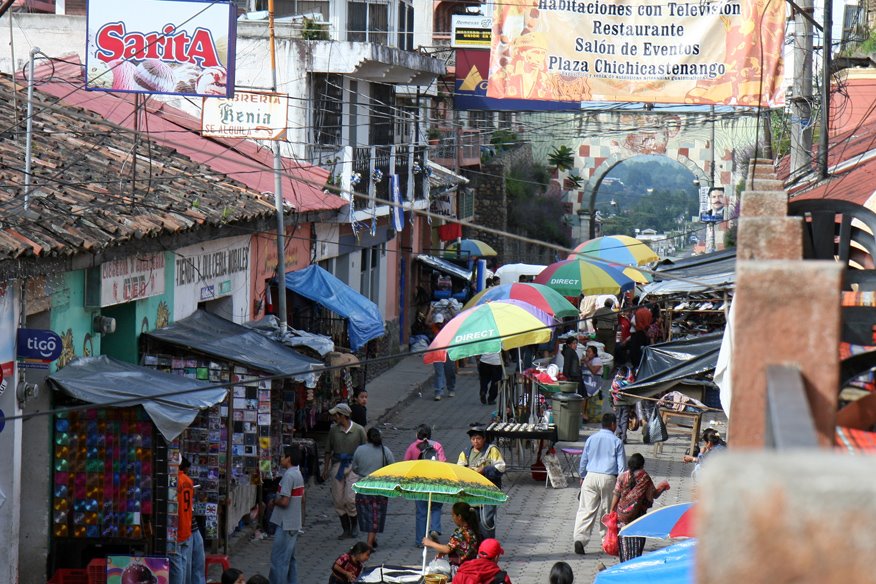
point(328, 103)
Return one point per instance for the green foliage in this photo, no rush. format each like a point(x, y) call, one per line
point(312, 30)
point(531, 211)
point(561, 158)
point(504, 139)
point(781, 132)
point(433, 134)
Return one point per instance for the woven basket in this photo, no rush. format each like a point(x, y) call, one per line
point(435, 579)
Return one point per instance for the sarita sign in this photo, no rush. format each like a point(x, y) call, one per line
point(174, 47)
point(254, 115)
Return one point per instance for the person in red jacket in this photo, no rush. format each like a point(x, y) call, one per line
point(483, 569)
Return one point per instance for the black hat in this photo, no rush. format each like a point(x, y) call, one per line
point(477, 429)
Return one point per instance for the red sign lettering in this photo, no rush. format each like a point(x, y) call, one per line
point(114, 42)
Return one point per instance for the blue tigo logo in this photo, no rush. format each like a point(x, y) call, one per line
point(41, 345)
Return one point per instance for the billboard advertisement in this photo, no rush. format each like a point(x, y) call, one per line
point(727, 52)
point(470, 88)
point(470, 31)
point(171, 47)
point(249, 114)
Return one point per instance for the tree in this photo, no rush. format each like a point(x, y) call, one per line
point(561, 158)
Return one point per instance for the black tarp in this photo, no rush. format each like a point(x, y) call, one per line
point(213, 335)
point(688, 361)
point(105, 381)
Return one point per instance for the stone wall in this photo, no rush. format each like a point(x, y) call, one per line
point(385, 346)
point(491, 202)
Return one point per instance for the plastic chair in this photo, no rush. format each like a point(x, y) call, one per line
point(215, 560)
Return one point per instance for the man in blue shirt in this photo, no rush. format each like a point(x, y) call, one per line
point(287, 517)
point(602, 460)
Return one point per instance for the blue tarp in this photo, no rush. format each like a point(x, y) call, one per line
point(670, 565)
point(365, 321)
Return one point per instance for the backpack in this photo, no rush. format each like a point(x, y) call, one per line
point(427, 451)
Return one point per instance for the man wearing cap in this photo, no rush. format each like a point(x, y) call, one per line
point(287, 517)
point(484, 569)
point(445, 372)
point(486, 459)
point(603, 459)
point(345, 436)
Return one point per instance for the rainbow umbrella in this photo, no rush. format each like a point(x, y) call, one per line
point(469, 248)
point(538, 295)
point(634, 274)
point(670, 521)
point(490, 328)
point(574, 277)
point(621, 249)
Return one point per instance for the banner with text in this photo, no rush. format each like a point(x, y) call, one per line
point(249, 114)
point(703, 52)
point(175, 47)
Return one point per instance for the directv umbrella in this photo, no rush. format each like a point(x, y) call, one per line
point(671, 565)
point(431, 480)
point(489, 328)
point(621, 249)
point(470, 248)
point(538, 295)
point(574, 277)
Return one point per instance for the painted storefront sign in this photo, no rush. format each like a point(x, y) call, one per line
point(470, 31)
point(259, 116)
point(173, 47)
point(210, 271)
point(131, 278)
point(704, 52)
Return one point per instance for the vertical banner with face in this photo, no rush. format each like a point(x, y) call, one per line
point(175, 47)
point(703, 52)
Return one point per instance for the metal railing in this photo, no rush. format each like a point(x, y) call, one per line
point(789, 422)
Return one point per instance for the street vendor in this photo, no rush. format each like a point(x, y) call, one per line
point(345, 436)
point(486, 459)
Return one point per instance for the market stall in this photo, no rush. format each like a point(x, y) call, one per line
point(232, 445)
point(110, 471)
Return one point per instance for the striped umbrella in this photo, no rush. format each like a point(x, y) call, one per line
point(621, 249)
point(538, 295)
point(489, 328)
point(574, 277)
point(470, 248)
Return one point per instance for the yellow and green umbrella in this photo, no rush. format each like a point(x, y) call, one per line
point(489, 328)
point(538, 295)
point(620, 249)
point(470, 248)
point(574, 277)
point(431, 480)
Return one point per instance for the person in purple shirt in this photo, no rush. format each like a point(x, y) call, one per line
point(602, 460)
point(424, 448)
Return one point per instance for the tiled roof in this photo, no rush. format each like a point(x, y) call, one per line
point(81, 199)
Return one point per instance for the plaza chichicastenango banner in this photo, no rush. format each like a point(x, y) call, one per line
point(727, 52)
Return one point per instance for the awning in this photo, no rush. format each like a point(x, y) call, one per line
point(365, 321)
point(443, 179)
point(269, 326)
point(698, 273)
point(445, 267)
point(213, 335)
point(684, 362)
point(105, 381)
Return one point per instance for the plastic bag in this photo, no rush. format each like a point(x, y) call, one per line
point(439, 566)
point(657, 428)
point(610, 543)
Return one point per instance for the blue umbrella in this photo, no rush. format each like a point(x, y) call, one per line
point(663, 523)
point(670, 565)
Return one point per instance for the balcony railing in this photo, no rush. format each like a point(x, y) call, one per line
point(457, 149)
point(367, 160)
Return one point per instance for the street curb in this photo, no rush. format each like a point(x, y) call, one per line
point(415, 392)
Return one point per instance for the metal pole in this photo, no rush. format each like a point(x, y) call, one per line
point(278, 191)
point(825, 89)
point(801, 112)
point(29, 135)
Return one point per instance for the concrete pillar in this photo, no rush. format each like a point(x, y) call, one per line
point(763, 203)
point(770, 238)
point(786, 312)
point(801, 517)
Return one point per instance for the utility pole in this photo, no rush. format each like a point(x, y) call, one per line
point(278, 191)
point(801, 107)
point(825, 88)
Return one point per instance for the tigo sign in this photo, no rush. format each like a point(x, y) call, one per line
point(177, 47)
point(38, 345)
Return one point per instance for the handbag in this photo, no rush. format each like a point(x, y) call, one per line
point(657, 428)
point(610, 544)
